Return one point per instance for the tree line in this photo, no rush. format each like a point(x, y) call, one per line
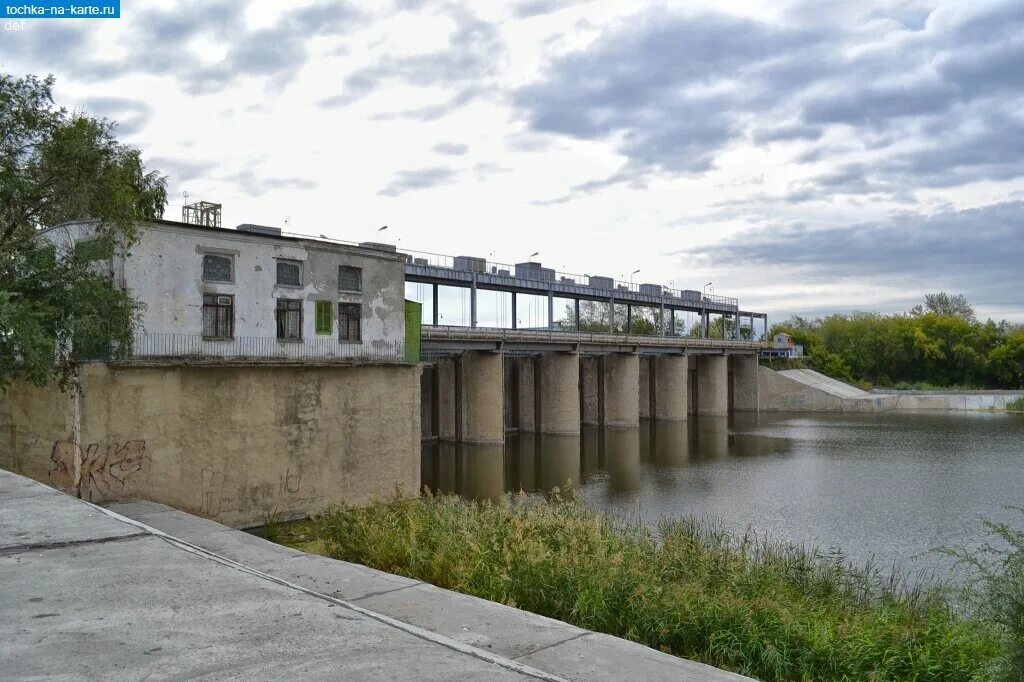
point(939, 343)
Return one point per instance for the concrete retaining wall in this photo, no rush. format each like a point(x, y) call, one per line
point(952, 401)
point(235, 444)
point(787, 391)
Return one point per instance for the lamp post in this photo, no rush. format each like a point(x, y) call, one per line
point(631, 277)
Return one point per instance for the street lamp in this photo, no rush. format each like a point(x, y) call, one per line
point(706, 288)
point(631, 276)
point(535, 253)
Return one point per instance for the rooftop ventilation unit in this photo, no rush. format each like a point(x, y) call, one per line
point(377, 246)
point(470, 264)
point(259, 229)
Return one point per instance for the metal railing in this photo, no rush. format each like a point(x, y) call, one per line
point(455, 333)
point(611, 285)
point(166, 347)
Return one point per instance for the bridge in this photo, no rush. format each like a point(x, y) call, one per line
point(531, 278)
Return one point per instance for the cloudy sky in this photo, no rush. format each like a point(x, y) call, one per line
point(806, 156)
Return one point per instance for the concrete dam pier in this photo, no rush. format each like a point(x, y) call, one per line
point(477, 396)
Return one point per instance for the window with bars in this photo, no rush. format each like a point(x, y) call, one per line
point(289, 273)
point(350, 278)
point(97, 248)
point(289, 319)
point(217, 268)
point(218, 316)
point(349, 315)
point(323, 317)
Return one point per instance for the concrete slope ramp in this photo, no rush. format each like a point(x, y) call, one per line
point(818, 380)
point(804, 390)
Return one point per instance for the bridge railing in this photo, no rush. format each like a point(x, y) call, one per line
point(546, 276)
point(451, 332)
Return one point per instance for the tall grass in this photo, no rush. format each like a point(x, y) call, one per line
point(996, 594)
point(1016, 405)
point(745, 603)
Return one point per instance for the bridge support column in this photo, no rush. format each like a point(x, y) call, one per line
point(591, 393)
point(621, 388)
point(481, 417)
point(745, 395)
point(670, 387)
point(713, 385)
point(558, 393)
point(646, 382)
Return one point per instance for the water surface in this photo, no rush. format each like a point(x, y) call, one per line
point(892, 486)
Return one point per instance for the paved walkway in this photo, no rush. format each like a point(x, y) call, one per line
point(144, 590)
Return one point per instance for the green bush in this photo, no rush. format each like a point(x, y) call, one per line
point(744, 603)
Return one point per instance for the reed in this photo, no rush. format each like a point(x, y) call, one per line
point(747, 603)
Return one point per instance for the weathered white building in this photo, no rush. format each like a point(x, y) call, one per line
point(251, 291)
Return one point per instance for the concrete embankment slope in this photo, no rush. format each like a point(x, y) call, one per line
point(806, 390)
point(144, 590)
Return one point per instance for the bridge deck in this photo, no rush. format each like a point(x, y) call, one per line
point(440, 339)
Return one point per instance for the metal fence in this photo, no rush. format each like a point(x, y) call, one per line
point(546, 275)
point(158, 347)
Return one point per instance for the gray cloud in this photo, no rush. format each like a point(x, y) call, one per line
point(938, 98)
point(451, 148)
point(535, 8)
point(131, 115)
point(253, 184)
point(465, 66)
point(422, 178)
point(159, 38)
point(180, 170)
point(978, 251)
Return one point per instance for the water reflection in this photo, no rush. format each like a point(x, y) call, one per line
point(891, 485)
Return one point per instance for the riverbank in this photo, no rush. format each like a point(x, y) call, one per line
point(744, 604)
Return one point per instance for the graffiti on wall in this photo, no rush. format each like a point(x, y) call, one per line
point(102, 471)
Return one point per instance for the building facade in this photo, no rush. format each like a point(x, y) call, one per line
point(252, 291)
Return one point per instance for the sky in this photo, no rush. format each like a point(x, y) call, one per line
point(804, 157)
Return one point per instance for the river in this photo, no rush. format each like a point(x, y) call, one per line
point(889, 486)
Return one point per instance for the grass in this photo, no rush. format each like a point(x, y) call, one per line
point(1016, 405)
point(745, 603)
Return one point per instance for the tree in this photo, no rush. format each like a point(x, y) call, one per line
point(946, 305)
point(57, 166)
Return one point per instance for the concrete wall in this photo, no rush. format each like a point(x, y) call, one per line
point(483, 418)
point(621, 386)
point(671, 392)
point(559, 393)
point(646, 378)
point(952, 401)
point(591, 403)
point(165, 272)
point(746, 390)
point(235, 444)
point(712, 384)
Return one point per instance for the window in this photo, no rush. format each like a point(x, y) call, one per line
point(323, 317)
point(348, 322)
point(350, 278)
point(218, 316)
point(217, 268)
point(289, 319)
point(98, 248)
point(289, 273)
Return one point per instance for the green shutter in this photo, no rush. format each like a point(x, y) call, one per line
point(413, 320)
point(323, 317)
